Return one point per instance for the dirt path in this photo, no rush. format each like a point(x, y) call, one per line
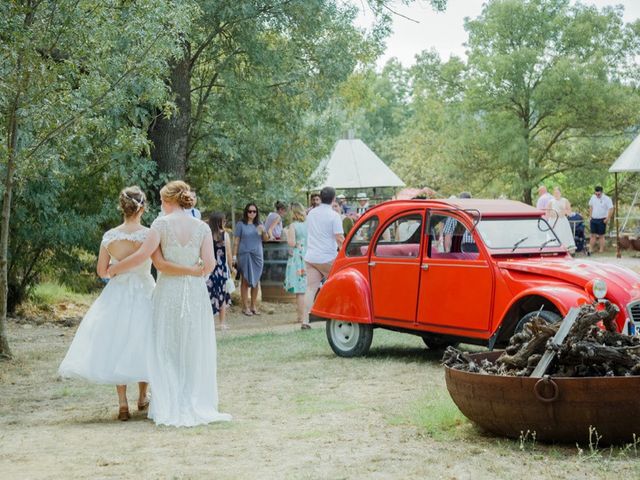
point(299, 413)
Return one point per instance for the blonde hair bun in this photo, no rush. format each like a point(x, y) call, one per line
point(132, 200)
point(178, 192)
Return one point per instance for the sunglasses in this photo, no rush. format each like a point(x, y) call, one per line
point(252, 211)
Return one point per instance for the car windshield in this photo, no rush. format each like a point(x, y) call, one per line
point(517, 233)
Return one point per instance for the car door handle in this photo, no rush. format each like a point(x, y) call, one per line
point(424, 266)
point(372, 264)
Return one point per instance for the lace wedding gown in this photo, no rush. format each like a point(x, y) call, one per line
point(183, 367)
point(111, 343)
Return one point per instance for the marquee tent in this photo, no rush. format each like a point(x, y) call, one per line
point(352, 165)
point(628, 161)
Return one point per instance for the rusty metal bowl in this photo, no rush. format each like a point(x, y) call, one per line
point(624, 242)
point(557, 409)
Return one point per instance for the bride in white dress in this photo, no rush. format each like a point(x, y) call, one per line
point(182, 367)
point(111, 343)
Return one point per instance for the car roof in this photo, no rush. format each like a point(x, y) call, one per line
point(486, 207)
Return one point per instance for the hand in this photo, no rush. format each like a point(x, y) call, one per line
point(606, 220)
point(110, 274)
point(197, 270)
point(260, 229)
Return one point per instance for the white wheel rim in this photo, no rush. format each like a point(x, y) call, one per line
point(345, 334)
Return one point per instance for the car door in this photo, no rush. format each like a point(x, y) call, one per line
point(394, 269)
point(456, 278)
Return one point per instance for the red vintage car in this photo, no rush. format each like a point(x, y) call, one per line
point(462, 270)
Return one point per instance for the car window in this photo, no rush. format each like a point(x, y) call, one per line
point(401, 238)
point(359, 242)
point(448, 238)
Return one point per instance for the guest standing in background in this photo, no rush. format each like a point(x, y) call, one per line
point(544, 197)
point(273, 224)
point(217, 281)
point(296, 273)
point(314, 201)
point(193, 211)
point(325, 237)
point(249, 257)
point(600, 211)
point(559, 208)
point(363, 203)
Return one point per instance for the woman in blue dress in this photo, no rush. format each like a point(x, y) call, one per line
point(248, 255)
point(296, 274)
point(217, 281)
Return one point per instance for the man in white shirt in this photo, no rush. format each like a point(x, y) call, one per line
point(544, 197)
point(324, 237)
point(600, 210)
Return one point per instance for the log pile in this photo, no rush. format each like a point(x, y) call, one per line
point(587, 351)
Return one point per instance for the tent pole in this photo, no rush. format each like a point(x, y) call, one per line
point(618, 255)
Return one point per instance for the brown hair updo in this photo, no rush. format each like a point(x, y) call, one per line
point(132, 200)
point(178, 192)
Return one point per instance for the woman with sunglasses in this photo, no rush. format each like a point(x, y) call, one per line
point(248, 256)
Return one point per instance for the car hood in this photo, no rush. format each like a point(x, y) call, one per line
point(620, 280)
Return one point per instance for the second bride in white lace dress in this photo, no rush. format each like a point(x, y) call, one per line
point(183, 365)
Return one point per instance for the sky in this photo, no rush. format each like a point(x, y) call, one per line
point(444, 31)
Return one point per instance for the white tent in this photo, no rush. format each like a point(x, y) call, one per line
point(629, 160)
point(353, 165)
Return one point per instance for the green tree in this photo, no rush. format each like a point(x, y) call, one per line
point(543, 77)
point(72, 74)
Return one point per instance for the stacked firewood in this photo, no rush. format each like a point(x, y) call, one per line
point(588, 350)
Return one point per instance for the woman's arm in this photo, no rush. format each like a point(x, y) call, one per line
point(103, 262)
point(146, 249)
point(227, 249)
point(262, 232)
point(170, 268)
point(291, 236)
point(207, 254)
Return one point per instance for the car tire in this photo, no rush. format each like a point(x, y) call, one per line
point(434, 342)
point(548, 316)
point(349, 339)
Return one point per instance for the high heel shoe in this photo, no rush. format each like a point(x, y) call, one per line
point(123, 414)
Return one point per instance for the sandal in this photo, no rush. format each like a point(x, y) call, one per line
point(255, 312)
point(123, 414)
point(248, 313)
point(142, 407)
point(305, 326)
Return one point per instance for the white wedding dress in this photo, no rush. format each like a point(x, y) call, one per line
point(182, 367)
point(111, 343)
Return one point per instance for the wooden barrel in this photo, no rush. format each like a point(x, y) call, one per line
point(557, 409)
point(273, 272)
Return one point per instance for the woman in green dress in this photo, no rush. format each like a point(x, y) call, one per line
point(296, 275)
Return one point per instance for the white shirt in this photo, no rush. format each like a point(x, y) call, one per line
point(323, 224)
point(543, 201)
point(600, 206)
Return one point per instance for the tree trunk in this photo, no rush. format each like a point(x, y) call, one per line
point(12, 130)
point(170, 135)
point(526, 196)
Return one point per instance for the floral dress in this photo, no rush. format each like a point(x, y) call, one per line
point(296, 274)
point(216, 281)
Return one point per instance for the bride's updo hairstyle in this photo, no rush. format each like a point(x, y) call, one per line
point(178, 192)
point(132, 200)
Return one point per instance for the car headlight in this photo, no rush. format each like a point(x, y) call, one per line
point(599, 288)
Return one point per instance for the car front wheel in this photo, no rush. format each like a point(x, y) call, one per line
point(548, 316)
point(349, 339)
